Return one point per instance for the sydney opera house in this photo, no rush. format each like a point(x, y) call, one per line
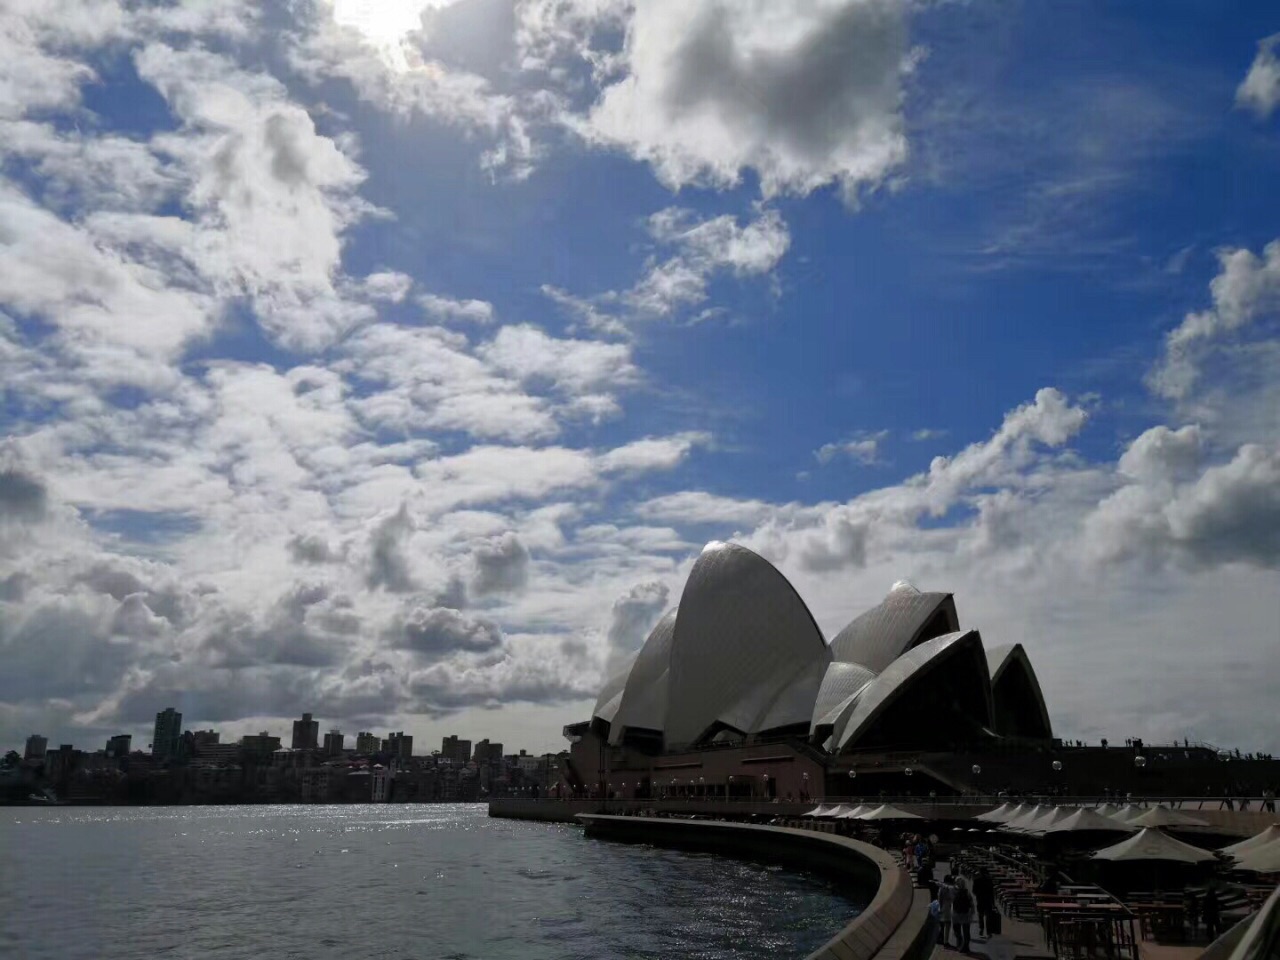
point(736, 693)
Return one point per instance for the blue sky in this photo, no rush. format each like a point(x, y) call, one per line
point(393, 360)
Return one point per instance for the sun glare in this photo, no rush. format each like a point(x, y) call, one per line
point(384, 23)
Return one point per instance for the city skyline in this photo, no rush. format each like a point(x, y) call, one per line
point(394, 365)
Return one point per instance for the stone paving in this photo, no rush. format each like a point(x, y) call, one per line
point(1017, 940)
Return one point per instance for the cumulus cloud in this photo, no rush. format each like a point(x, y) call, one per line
point(399, 77)
point(436, 631)
point(22, 495)
point(501, 565)
point(467, 311)
point(1260, 89)
point(1246, 288)
point(282, 193)
point(574, 366)
point(633, 616)
point(801, 94)
point(652, 453)
point(1230, 513)
point(388, 562)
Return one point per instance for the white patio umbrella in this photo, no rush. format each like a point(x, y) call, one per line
point(1162, 816)
point(1152, 843)
point(997, 815)
point(1042, 823)
point(1108, 809)
point(821, 810)
point(1125, 814)
point(1264, 859)
point(888, 812)
point(1023, 820)
point(853, 813)
point(1257, 840)
point(1014, 814)
point(1084, 820)
point(836, 811)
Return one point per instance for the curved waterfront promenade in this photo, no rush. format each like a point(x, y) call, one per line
point(893, 926)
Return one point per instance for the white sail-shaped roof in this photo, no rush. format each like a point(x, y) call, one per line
point(611, 696)
point(644, 699)
point(841, 683)
point(1019, 704)
point(904, 619)
point(742, 638)
point(962, 651)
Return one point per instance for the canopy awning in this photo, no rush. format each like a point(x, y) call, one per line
point(1162, 816)
point(888, 812)
point(1084, 820)
point(1152, 843)
point(1267, 836)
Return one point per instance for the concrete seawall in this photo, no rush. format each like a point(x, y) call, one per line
point(895, 924)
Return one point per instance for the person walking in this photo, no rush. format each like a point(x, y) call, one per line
point(1210, 913)
point(946, 897)
point(984, 895)
point(962, 914)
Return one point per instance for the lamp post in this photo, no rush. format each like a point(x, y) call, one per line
point(702, 787)
point(764, 780)
point(729, 789)
point(804, 786)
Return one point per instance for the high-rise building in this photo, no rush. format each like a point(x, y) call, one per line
point(204, 738)
point(333, 743)
point(399, 745)
point(260, 748)
point(168, 732)
point(119, 746)
point(37, 746)
point(367, 743)
point(306, 733)
point(486, 752)
point(455, 750)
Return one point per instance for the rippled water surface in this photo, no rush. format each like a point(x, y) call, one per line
point(422, 882)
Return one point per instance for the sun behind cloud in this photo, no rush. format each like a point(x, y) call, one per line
point(385, 24)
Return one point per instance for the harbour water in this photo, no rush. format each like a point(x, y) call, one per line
point(440, 882)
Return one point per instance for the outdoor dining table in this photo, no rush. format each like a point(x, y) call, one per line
point(1108, 925)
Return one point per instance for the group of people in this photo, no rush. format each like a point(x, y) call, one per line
point(955, 907)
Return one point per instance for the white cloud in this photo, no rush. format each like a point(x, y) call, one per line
point(1230, 513)
point(395, 76)
point(501, 565)
point(701, 507)
point(705, 247)
point(278, 194)
point(1246, 288)
point(862, 448)
point(652, 453)
point(467, 311)
point(574, 366)
point(702, 249)
point(1260, 89)
point(804, 94)
point(927, 433)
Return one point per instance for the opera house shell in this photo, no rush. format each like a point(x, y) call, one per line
point(741, 660)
